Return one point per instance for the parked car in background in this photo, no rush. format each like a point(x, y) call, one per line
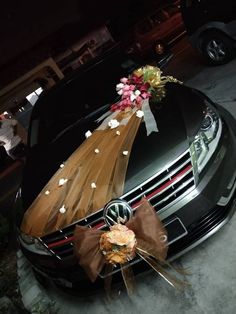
point(186, 170)
point(211, 27)
point(95, 43)
point(164, 26)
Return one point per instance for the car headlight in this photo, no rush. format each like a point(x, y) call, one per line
point(33, 244)
point(30, 243)
point(207, 139)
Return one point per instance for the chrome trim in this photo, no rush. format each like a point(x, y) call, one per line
point(157, 174)
point(225, 200)
point(117, 211)
point(171, 194)
point(170, 174)
point(232, 181)
point(177, 37)
point(35, 250)
point(178, 203)
point(180, 236)
point(196, 190)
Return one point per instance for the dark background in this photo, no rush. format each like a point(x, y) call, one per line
point(31, 31)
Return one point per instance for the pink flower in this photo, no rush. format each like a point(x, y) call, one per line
point(146, 95)
point(127, 93)
point(124, 80)
point(114, 107)
point(132, 87)
point(139, 100)
point(144, 87)
point(133, 91)
point(126, 87)
point(137, 79)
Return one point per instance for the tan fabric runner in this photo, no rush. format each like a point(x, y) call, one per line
point(107, 169)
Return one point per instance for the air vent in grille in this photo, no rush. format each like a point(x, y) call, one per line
point(162, 190)
point(167, 186)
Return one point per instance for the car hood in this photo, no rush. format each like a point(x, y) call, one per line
point(178, 118)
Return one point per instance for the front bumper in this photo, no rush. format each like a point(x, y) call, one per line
point(203, 212)
point(213, 201)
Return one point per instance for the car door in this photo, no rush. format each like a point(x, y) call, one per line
point(175, 18)
point(160, 25)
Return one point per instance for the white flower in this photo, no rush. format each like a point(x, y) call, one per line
point(47, 192)
point(139, 113)
point(62, 210)
point(124, 80)
point(88, 134)
point(62, 165)
point(120, 92)
point(96, 150)
point(62, 181)
point(132, 97)
point(117, 132)
point(125, 152)
point(163, 238)
point(137, 92)
point(113, 123)
point(93, 185)
point(119, 86)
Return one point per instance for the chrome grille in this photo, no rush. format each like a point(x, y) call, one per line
point(163, 190)
point(165, 187)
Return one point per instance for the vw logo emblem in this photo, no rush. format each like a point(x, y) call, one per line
point(117, 211)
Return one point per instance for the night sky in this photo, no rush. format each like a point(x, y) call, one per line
point(24, 23)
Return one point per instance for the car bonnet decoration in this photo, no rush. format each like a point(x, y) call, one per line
point(95, 174)
point(143, 235)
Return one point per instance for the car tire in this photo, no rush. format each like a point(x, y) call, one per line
point(217, 48)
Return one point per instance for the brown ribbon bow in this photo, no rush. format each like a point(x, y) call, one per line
point(150, 234)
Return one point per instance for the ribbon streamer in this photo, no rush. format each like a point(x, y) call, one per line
point(107, 169)
point(149, 120)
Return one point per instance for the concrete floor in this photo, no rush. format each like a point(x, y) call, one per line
point(212, 264)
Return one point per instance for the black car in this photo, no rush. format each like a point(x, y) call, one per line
point(186, 170)
point(211, 26)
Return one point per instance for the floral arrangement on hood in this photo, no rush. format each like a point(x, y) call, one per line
point(144, 83)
